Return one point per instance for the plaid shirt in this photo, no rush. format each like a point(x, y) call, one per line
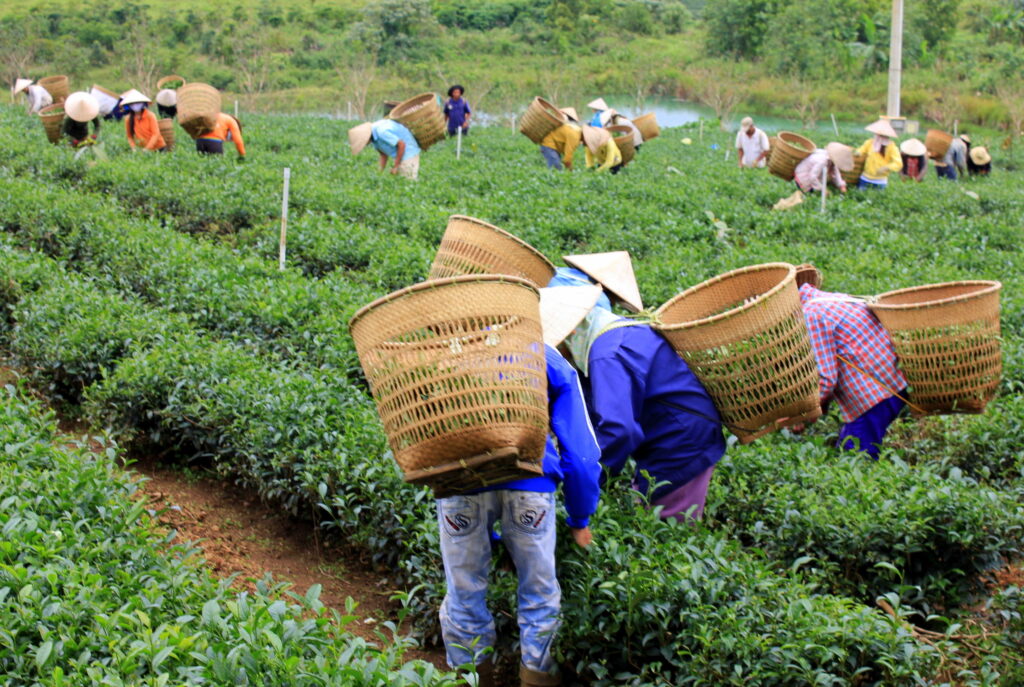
point(841, 327)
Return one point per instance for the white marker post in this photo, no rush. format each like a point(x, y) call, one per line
point(458, 144)
point(956, 127)
point(835, 127)
point(236, 109)
point(284, 220)
point(350, 110)
point(824, 186)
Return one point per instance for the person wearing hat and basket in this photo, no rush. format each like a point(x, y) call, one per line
point(644, 400)
point(225, 128)
point(602, 113)
point(390, 139)
point(979, 162)
point(558, 148)
point(601, 150)
point(856, 364)
point(881, 156)
point(955, 160)
point(456, 111)
point(140, 125)
point(752, 145)
point(167, 103)
point(835, 157)
point(526, 509)
point(37, 96)
point(81, 109)
point(914, 154)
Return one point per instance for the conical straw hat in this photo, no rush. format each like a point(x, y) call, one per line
point(980, 156)
point(134, 96)
point(913, 147)
point(167, 97)
point(81, 107)
point(562, 308)
point(570, 112)
point(594, 138)
point(841, 155)
point(359, 137)
point(20, 85)
point(882, 128)
point(613, 271)
point(598, 104)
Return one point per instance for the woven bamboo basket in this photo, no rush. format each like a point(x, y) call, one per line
point(648, 125)
point(59, 87)
point(743, 334)
point(852, 178)
point(947, 340)
point(198, 107)
point(937, 142)
point(540, 119)
point(787, 151)
point(457, 369)
point(624, 141)
point(472, 246)
point(171, 81)
point(52, 117)
point(423, 116)
point(167, 131)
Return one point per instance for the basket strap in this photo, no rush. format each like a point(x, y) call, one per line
point(882, 384)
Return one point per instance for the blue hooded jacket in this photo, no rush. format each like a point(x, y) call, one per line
point(576, 460)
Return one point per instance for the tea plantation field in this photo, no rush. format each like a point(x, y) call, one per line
point(143, 296)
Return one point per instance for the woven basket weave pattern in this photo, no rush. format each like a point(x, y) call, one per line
point(624, 142)
point(198, 107)
point(937, 143)
point(648, 125)
point(471, 246)
point(743, 334)
point(167, 131)
point(457, 369)
point(52, 118)
point(784, 157)
point(853, 176)
point(947, 339)
point(423, 117)
point(59, 87)
point(540, 119)
point(165, 82)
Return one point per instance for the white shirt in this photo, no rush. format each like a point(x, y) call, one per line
point(638, 138)
point(752, 147)
point(38, 98)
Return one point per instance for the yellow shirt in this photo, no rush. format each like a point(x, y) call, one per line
point(608, 156)
point(565, 140)
point(877, 166)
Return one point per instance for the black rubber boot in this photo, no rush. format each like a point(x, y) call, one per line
point(535, 678)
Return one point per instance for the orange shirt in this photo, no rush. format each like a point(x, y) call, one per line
point(147, 133)
point(226, 124)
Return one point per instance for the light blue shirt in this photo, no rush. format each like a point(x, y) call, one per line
point(386, 135)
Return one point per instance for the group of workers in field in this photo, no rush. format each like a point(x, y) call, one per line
point(880, 153)
point(617, 391)
point(84, 111)
point(558, 148)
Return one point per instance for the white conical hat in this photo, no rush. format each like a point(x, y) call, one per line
point(914, 147)
point(20, 85)
point(81, 107)
point(594, 138)
point(562, 308)
point(167, 97)
point(134, 96)
point(570, 112)
point(614, 271)
point(598, 104)
point(841, 155)
point(359, 137)
point(883, 128)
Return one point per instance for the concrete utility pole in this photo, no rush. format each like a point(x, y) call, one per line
point(895, 59)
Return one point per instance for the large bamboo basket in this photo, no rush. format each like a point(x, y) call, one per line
point(52, 117)
point(198, 107)
point(937, 142)
point(59, 87)
point(472, 246)
point(787, 151)
point(624, 141)
point(648, 125)
point(458, 372)
point(947, 339)
point(743, 334)
point(540, 119)
point(167, 131)
point(172, 81)
point(852, 178)
point(423, 116)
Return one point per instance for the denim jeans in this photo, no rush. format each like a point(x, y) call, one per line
point(552, 157)
point(528, 530)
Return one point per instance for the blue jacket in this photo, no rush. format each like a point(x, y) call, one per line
point(576, 461)
point(636, 390)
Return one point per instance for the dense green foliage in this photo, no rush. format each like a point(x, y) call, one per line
point(152, 304)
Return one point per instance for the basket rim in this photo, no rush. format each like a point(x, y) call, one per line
point(431, 284)
point(409, 101)
point(506, 234)
point(987, 287)
point(728, 314)
point(44, 112)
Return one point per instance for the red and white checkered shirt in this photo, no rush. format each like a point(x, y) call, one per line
point(842, 326)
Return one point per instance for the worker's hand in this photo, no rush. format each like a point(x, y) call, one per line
point(394, 170)
point(241, 158)
point(582, 537)
point(843, 190)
